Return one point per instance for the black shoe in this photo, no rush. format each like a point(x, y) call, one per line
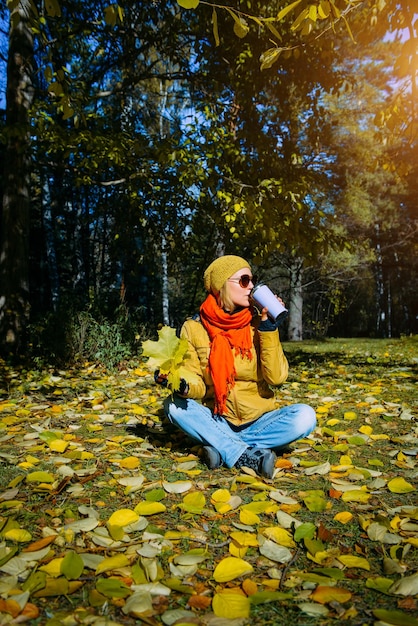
point(211, 457)
point(261, 460)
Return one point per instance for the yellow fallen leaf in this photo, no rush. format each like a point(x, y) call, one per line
point(231, 605)
point(350, 415)
point(325, 594)
point(413, 541)
point(280, 536)
point(112, 563)
point(53, 568)
point(322, 409)
point(249, 518)
point(58, 445)
point(32, 459)
point(86, 456)
point(366, 430)
point(343, 517)
point(40, 477)
point(220, 495)
point(123, 517)
point(19, 535)
point(194, 502)
point(260, 507)
point(333, 422)
point(400, 485)
point(150, 508)
point(130, 462)
point(231, 567)
point(223, 507)
point(244, 538)
point(350, 560)
point(356, 495)
point(236, 549)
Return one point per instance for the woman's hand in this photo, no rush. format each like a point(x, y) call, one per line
point(264, 312)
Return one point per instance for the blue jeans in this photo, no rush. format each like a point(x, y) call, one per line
point(271, 430)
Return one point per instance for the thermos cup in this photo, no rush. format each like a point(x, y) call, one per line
point(264, 297)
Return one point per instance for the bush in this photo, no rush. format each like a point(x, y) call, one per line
point(69, 337)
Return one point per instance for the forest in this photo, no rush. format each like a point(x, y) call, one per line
point(140, 140)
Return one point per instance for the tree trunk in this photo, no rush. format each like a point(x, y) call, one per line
point(51, 254)
point(296, 300)
point(14, 243)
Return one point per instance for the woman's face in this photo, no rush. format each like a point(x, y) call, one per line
point(239, 287)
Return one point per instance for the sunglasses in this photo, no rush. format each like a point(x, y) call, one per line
point(244, 280)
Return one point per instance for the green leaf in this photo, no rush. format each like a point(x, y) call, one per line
point(315, 501)
point(313, 545)
point(72, 566)
point(215, 27)
point(262, 597)
point(155, 495)
point(188, 4)
point(240, 25)
point(113, 588)
point(40, 477)
point(48, 436)
point(380, 584)
point(307, 530)
point(395, 617)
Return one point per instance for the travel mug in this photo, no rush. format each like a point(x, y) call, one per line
point(264, 297)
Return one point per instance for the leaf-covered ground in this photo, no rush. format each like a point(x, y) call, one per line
point(107, 515)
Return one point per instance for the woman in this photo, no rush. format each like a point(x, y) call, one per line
point(234, 358)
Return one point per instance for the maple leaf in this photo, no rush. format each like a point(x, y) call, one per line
point(167, 355)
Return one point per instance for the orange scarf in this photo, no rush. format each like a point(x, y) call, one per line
point(225, 332)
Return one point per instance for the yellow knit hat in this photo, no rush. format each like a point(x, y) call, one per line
point(220, 270)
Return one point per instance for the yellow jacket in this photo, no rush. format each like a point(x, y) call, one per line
point(251, 395)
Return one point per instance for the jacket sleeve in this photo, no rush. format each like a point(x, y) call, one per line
point(193, 362)
point(273, 362)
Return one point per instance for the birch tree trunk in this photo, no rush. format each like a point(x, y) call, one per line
point(14, 243)
point(295, 328)
point(51, 254)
